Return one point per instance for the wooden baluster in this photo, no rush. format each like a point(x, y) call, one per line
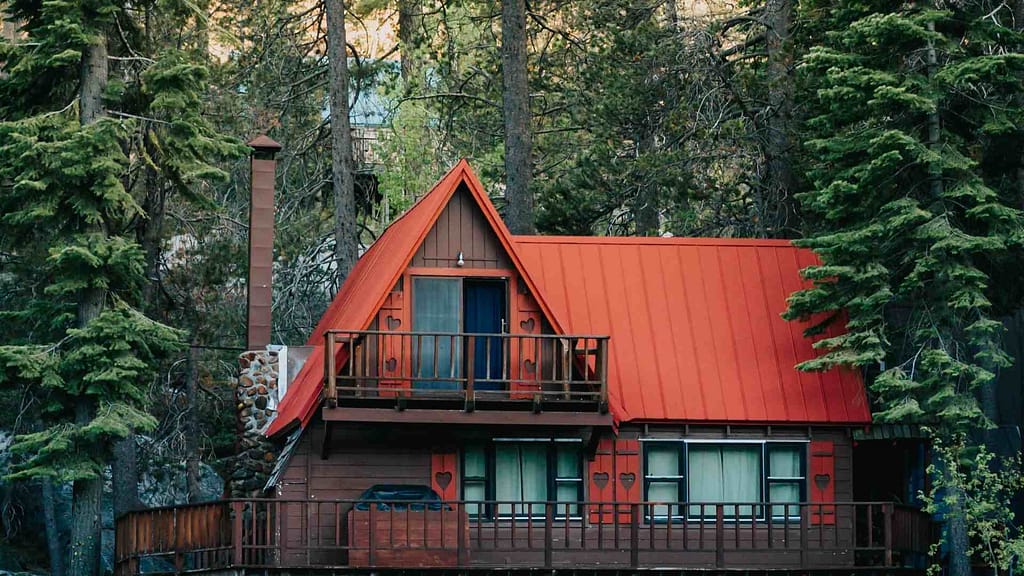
point(887, 531)
point(460, 546)
point(566, 366)
point(719, 536)
point(371, 553)
point(634, 535)
point(804, 521)
point(471, 372)
point(282, 514)
point(548, 533)
point(601, 364)
point(330, 370)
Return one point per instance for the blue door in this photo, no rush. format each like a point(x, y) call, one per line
point(484, 308)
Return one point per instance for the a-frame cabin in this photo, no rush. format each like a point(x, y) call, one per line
point(478, 401)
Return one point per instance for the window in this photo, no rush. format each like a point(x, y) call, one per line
point(785, 477)
point(663, 481)
point(518, 477)
point(727, 473)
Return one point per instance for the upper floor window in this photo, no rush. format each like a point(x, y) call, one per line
point(515, 478)
point(733, 474)
point(444, 306)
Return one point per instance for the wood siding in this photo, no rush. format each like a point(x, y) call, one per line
point(356, 461)
point(461, 227)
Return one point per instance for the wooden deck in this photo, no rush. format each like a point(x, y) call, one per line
point(276, 535)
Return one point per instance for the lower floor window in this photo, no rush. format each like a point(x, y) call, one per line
point(517, 478)
point(736, 475)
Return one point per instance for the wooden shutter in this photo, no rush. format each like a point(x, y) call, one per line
point(393, 353)
point(614, 476)
point(822, 481)
point(444, 474)
point(524, 352)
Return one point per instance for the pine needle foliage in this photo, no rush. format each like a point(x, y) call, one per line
point(70, 209)
point(905, 221)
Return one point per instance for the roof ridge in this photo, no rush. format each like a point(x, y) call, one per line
point(655, 240)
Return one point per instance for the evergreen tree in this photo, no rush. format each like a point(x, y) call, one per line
point(905, 222)
point(68, 203)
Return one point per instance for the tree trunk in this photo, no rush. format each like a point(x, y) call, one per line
point(125, 476)
point(346, 238)
point(776, 201)
point(645, 208)
point(87, 493)
point(516, 110)
point(192, 426)
point(672, 14)
point(51, 522)
point(408, 42)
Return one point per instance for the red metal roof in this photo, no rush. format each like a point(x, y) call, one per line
point(372, 278)
point(695, 326)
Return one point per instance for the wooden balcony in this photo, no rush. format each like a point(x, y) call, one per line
point(287, 535)
point(437, 373)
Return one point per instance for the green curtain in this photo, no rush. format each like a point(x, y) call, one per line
point(436, 305)
point(520, 475)
point(785, 462)
point(474, 480)
point(663, 462)
point(724, 474)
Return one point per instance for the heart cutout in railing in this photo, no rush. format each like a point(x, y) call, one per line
point(600, 480)
point(390, 365)
point(393, 323)
point(443, 479)
point(627, 479)
point(822, 480)
point(530, 367)
point(527, 325)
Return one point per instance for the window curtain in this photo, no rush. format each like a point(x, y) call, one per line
point(436, 305)
point(568, 480)
point(663, 462)
point(724, 474)
point(784, 462)
point(474, 480)
point(520, 475)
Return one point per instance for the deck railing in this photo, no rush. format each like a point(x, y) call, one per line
point(469, 368)
point(297, 534)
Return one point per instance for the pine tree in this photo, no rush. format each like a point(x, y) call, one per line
point(904, 220)
point(68, 205)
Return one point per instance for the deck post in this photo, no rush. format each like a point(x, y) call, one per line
point(178, 559)
point(329, 369)
point(470, 373)
point(549, 518)
point(804, 527)
point(463, 520)
point(720, 535)
point(602, 374)
point(371, 553)
point(236, 533)
point(634, 535)
point(282, 532)
point(887, 531)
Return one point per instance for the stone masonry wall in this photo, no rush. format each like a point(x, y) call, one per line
point(255, 395)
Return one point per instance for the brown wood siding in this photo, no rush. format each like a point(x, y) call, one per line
point(461, 227)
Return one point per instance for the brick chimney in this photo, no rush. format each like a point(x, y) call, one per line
point(261, 241)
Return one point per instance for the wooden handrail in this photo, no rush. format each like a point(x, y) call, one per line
point(255, 533)
point(437, 365)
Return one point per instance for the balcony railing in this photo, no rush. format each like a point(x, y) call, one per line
point(301, 534)
point(468, 368)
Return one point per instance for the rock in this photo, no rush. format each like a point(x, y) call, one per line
point(169, 487)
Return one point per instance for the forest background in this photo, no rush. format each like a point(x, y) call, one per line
point(886, 135)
